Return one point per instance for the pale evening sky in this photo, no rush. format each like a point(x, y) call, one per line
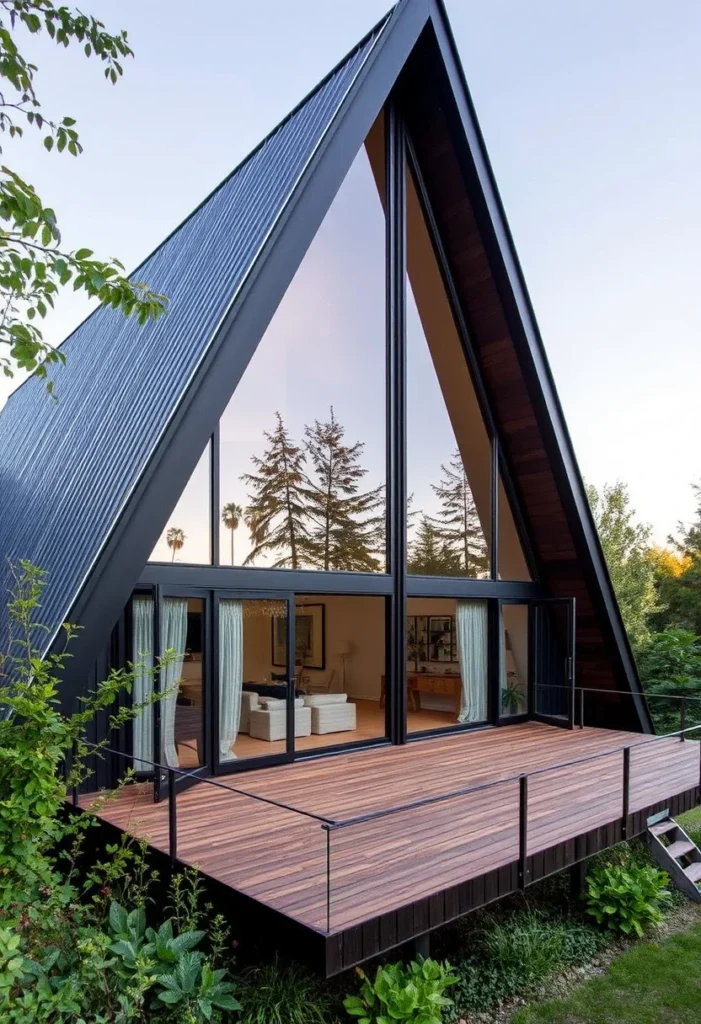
point(591, 117)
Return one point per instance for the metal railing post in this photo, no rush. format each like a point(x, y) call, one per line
point(626, 790)
point(581, 707)
point(74, 788)
point(523, 832)
point(328, 877)
point(172, 817)
point(682, 716)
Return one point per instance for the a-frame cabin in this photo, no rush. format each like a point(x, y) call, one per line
point(335, 480)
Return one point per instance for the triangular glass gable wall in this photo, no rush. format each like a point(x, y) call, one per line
point(302, 441)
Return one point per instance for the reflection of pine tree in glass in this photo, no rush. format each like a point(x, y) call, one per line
point(276, 513)
point(457, 523)
point(429, 555)
point(346, 524)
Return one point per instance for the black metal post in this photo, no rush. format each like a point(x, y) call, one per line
point(74, 788)
point(523, 832)
point(581, 707)
point(626, 790)
point(172, 817)
point(395, 689)
point(214, 496)
point(328, 877)
point(682, 715)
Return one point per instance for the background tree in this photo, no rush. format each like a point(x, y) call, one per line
point(175, 539)
point(429, 555)
point(458, 523)
point(626, 545)
point(347, 524)
point(33, 266)
point(678, 575)
point(231, 515)
point(276, 513)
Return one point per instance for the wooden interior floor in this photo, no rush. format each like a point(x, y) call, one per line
point(370, 725)
point(279, 856)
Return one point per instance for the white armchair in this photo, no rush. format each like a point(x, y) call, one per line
point(249, 702)
point(331, 712)
point(269, 722)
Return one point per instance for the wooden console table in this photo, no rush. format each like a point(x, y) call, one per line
point(424, 682)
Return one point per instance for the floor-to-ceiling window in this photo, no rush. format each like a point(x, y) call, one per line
point(447, 670)
point(296, 484)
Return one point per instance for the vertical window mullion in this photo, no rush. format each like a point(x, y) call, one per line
point(291, 678)
point(396, 416)
point(494, 508)
point(214, 497)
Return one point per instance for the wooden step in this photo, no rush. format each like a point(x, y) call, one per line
point(681, 847)
point(693, 871)
point(663, 827)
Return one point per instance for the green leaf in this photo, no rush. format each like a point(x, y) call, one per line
point(48, 143)
point(83, 254)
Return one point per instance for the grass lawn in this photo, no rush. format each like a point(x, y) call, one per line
point(653, 983)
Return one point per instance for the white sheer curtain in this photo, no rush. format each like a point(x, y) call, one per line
point(142, 656)
point(173, 638)
point(230, 675)
point(471, 629)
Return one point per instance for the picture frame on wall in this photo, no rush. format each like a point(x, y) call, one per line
point(310, 637)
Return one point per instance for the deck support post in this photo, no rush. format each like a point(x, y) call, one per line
point(578, 874)
point(523, 832)
point(421, 946)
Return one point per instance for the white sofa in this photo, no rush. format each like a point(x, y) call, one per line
point(331, 712)
point(269, 720)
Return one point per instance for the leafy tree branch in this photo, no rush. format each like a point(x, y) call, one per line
point(33, 264)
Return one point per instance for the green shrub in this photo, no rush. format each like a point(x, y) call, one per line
point(74, 942)
point(283, 993)
point(513, 956)
point(399, 992)
point(626, 898)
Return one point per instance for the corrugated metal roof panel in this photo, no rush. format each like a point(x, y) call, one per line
point(67, 468)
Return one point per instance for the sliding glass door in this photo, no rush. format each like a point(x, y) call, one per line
point(553, 640)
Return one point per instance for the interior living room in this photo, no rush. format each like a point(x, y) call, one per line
point(339, 679)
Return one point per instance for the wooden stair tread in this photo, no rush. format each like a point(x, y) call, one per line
point(663, 827)
point(679, 848)
point(693, 871)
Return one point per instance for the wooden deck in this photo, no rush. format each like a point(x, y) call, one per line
point(279, 857)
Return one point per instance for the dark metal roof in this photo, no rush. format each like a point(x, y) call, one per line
point(68, 467)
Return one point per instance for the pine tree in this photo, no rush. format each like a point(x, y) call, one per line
point(346, 524)
point(431, 556)
point(458, 523)
point(276, 513)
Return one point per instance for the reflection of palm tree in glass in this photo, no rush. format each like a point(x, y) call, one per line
point(231, 516)
point(175, 539)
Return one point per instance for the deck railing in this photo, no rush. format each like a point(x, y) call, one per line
point(334, 827)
